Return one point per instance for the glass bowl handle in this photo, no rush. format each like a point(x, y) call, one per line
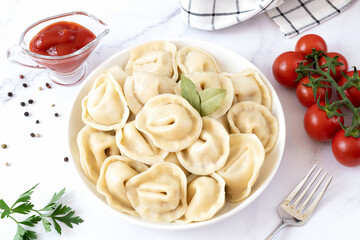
point(16, 55)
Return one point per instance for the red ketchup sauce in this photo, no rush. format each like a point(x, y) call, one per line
point(61, 38)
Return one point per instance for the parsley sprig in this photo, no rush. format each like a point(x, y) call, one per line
point(53, 212)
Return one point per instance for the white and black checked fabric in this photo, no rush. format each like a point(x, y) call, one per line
point(295, 16)
point(217, 14)
point(292, 16)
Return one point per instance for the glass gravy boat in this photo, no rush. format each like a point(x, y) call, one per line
point(67, 69)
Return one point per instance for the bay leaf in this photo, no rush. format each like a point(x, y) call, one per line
point(189, 92)
point(211, 99)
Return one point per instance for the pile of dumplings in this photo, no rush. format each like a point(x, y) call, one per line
point(153, 156)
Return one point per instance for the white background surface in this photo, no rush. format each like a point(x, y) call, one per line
point(40, 160)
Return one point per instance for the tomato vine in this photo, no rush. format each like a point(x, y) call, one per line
point(314, 68)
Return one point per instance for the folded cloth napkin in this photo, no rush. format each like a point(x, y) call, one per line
point(292, 16)
point(217, 14)
point(295, 16)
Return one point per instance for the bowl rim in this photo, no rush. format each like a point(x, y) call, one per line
point(180, 226)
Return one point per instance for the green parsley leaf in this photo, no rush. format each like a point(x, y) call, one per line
point(57, 226)
point(51, 205)
point(25, 197)
point(29, 235)
point(19, 233)
point(6, 209)
point(3, 205)
point(58, 213)
point(68, 219)
point(46, 224)
point(61, 210)
point(31, 221)
point(24, 208)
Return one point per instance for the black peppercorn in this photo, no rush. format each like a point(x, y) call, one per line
point(32, 134)
point(10, 94)
point(22, 104)
point(24, 85)
point(31, 101)
point(26, 114)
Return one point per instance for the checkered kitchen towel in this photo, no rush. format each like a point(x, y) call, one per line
point(292, 16)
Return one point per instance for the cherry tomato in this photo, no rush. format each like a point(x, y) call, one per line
point(352, 93)
point(339, 69)
point(284, 68)
point(305, 94)
point(318, 126)
point(306, 43)
point(346, 149)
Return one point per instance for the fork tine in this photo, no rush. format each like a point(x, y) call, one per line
point(313, 205)
point(306, 188)
point(298, 187)
point(312, 193)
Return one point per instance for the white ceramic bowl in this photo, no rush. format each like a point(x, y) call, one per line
point(228, 62)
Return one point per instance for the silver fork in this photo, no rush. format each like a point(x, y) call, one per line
point(289, 210)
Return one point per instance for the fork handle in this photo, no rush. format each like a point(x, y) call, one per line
point(281, 225)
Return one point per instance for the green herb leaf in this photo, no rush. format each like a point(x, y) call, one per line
point(211, 100)
point(23, 205)
point(46, 225)
point(6, 213)
point(68, 219)
point(26, 196)
point(24, 208)
point(3, 205)
point(61, 210)
point(51, 205)
point(6, 209)
point(57, 226)
point(29, 235)
point(31, 221)
point(19, 233)
point(189, 92)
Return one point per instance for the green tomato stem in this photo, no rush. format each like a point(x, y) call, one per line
point(352, 129)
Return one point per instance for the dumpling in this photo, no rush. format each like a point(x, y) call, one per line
point(142, 86)
point(251, 117)
point(172, 158)
point(155, 57)
point(159, 193)
point(242, 168)
point(118, 74)
point(170, 121)
point(95, 146)
point(209, 152)
point(249, 86)
point(205, 80)
point(224, 121)
point(193, 59)
point(105, 107)
point(205, 197)
point(115, 172)
point(137, 145)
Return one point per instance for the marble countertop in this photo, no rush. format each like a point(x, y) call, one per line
point(28, 160)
